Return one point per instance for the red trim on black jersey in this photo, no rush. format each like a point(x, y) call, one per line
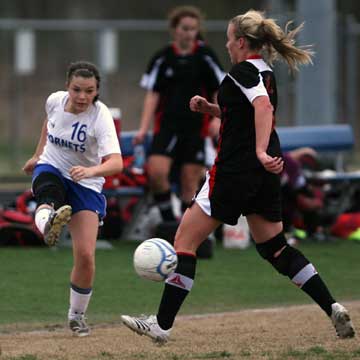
point(159, 114)
point(213, 170)
point(204, 132)
point(192, 51)
point(256, 56)
point(195, 47)
point(212, 174)
point(157, 123)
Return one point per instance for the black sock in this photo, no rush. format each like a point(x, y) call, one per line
point(177, 287)
point(163, 201)
point(319, 292)
point(292, 263)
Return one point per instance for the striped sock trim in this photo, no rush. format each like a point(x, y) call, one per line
point(80, 290)
point(304, 275)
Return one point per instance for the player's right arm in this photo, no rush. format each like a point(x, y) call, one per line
point(201, 105)
point(30, 164)
point(152, 81)
point(151, 102)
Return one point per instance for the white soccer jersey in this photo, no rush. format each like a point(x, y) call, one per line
point(78, 139)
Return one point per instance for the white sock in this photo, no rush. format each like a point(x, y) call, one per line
point(78, 303)
point(42, 217)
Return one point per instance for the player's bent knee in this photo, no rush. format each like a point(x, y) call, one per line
point(289, 261)
point(268, 249)
point(49, 189)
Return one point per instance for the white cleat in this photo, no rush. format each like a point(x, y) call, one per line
point(57, 220)
point(147, 325)
point(78, 326)
point(342, 322)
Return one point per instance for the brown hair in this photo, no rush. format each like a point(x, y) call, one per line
point(266, 35)
point(180, 12)
point(86, 70)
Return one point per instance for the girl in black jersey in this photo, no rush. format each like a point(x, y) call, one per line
point(245, 176)
point(175, 74)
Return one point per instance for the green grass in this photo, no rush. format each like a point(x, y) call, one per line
point(34, 282)
point(25, 357)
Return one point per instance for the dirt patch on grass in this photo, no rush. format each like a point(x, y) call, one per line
point(298, 332)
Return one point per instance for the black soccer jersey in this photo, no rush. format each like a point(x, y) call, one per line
point(177, 78)
point(237, 143)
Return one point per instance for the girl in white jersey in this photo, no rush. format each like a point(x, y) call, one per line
point(78, 146)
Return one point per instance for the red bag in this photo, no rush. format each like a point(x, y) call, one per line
point(18, 229)
point(346, 224)
point(17, 226)
point(128, 177)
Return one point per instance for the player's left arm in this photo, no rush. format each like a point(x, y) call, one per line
point(263, 127)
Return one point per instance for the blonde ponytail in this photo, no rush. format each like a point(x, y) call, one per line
point(268, 37)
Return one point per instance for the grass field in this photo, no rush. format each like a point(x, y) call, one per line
point(34, 302)
point(34, 285)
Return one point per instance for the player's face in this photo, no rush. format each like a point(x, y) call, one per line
point(233, 45)
point(186, 31)
point(82, 92)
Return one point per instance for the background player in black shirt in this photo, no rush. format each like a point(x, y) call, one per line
point(176, 73)
point(245, 176)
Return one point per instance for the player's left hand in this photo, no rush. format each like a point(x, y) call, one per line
point(274, 165)
point(78, 173)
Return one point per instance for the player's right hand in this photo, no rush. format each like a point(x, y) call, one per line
point(198, 104)
point(139, 137)
point(29, 166)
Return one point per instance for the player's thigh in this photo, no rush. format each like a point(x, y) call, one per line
point(194, 228)
point(192, 174)
point(159, 165)
point(83, 228)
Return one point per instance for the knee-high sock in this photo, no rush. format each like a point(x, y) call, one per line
point(292, 263)
point(177, 287)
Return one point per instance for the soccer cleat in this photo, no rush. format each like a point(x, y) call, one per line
point(78, 326)
point(341, 320)
point(57, 220)
point(147, 325)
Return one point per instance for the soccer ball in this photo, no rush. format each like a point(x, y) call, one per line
point(155, 259)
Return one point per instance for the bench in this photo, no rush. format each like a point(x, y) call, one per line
point(322, 138)
point(333, 138)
